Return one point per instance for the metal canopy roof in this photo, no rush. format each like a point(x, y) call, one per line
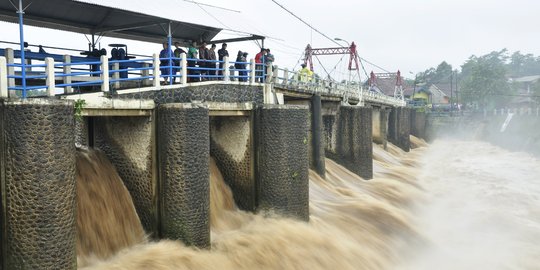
point(89, 18)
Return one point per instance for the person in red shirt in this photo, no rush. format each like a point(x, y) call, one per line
point(259, 65)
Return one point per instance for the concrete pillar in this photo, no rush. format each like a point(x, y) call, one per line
point(399, 128)
point(50, 80)
point(353, 140)
point(232, 146)
point(3, 78)
point(418, 124)
point(384, 114)
point(252, 71)
point(37, 156)
point(129, 143)
point(183, 152)
point(227, 70)
point(104, 74)
point(184, 71)
point(10, 57)
point(116, 75)
point(156, 74)
point(282, 160)
point(67, 70)
point(376, 125)
point(317, 157)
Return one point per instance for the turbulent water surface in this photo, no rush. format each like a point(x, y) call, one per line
point(452, 205)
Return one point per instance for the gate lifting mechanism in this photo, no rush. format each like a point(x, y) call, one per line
point(351, 51)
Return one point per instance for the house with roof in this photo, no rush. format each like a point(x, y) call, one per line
point(386, 83)
point(523, 87)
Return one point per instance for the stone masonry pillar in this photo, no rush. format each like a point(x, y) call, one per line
point(317, 157)
point(282, 159)
point(184, 189)
point(354, 148)
point(399, 128)
point(37, 156)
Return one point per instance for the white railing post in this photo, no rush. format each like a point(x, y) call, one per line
point(286, 76)
point(104, 73)
point(275, 74)
point(269, 74)
point(116, 75)
point(156, 70)
point(11, 70)
point(183, 71)
point(67, 70)
point(50, 81)
point(3, 78)
point(227, 71)
point(252, 72)
point(145, 73)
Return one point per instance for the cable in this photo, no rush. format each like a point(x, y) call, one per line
point(198, 3)
point(309, 25)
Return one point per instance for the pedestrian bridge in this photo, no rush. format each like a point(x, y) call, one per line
point(65, 76)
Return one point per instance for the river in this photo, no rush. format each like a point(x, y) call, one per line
point(450, 205)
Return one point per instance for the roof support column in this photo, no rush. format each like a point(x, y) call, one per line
point(20, 11)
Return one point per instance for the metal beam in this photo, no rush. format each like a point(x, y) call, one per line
point(127, 26)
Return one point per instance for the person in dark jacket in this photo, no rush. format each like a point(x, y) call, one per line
point(221, 54)
point(238, 65)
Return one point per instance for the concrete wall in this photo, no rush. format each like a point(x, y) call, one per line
point(231, 144)
point(418, 124)
point(37, 156)
point(349, 139)
point(282, 159)
point(129, 144)
point(399, 128)
point(183, 150)
point(229, 93)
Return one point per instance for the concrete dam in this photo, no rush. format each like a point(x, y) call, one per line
point(160, 141)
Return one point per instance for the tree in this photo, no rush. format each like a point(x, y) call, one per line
point(483, 80)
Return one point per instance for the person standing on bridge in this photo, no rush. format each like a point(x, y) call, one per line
point(305, 74)
point(268, 61)
point(212, 64)
point(203, 64)
point(222, 53)
point(259, 65)
point(192, 60)
point(165, 62)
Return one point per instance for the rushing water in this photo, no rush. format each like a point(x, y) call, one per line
point(452, 205)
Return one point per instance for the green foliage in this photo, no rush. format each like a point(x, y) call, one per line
point(484, 80)
point(78, 107)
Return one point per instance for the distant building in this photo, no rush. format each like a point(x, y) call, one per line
point(386, 83)
point(523, 85)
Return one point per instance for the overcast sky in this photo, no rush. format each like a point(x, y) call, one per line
point(408, 35)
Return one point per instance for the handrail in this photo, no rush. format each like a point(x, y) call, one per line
point(149, 71)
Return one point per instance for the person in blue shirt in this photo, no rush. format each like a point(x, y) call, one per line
point(165, 63)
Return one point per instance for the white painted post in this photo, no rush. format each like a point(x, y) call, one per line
point(104, 73)
point(275, 74)
point(67, 70)
point(11, 70)
point(3, 78)
point(145, 73)
point(227, 71)
point(253, 68)
point(286, 77)
point(156, 70)
point(50, 81)
point(116, 75)
point(184, 71)
point(269, 74)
